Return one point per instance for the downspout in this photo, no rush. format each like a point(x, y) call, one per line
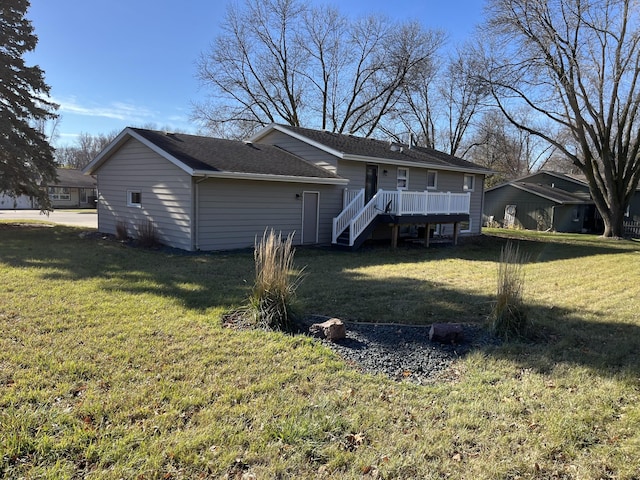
point(553, 218)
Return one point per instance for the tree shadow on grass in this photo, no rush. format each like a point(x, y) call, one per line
point(224, 280)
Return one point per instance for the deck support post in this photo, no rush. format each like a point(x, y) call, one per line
point(395, 230)
point(426, 235)
point(456, 227)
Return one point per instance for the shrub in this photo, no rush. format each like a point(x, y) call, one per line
point(147, 235)
point(272, 302)
point(509, 316)
point(121, 230)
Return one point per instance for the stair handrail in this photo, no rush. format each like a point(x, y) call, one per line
point(364, 217)
point(341, 222)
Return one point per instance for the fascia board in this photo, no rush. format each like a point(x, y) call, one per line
point(106, 152)
point(263, 133)
point(270, 178)
point(120, 140)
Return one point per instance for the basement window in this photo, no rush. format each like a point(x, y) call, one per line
point(134, 198)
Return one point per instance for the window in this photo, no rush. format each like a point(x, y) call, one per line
point(464, 227)
point(59, 193)
point(469, 181)
point(403, 178)
point(134, 198)
point(432, 179)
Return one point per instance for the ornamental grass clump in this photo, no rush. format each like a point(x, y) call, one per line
point(147, 235)
point(509, 317)
point(272, 303)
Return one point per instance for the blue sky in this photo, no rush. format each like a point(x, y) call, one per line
point(112, 64)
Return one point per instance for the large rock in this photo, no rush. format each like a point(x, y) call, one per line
point(333, 329)
point(446, 333)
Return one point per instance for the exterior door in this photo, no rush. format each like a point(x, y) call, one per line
point(310, 205)
point(371, 182)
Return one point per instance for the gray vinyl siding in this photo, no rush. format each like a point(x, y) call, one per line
point(532, 212)
point(634, 208)
point(232, 213)
point(311, 154)
point(165, 190)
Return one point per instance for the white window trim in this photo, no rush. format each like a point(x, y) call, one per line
point(59, 193)
point(435, 180)
point(467, 230)
point(133, 204)
point(473, 183)
point(405, 178)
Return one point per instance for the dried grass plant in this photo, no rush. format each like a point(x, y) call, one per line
point(509, 316)
point(272, 303)
point(147, 236)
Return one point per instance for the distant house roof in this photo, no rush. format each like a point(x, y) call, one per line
point(207, 156)
point(69, 177)
point(351, 147)
point(555, 194)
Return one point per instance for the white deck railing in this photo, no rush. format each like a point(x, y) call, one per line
point(397, 202)
point(355, 203)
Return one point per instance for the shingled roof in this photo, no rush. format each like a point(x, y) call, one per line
point(69, 177)
point(200, 156)
point(556, 195)
point(220, 155)
point(349, 146)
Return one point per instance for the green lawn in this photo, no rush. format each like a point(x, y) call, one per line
point(113, 364)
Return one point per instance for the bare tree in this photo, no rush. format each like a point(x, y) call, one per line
point(575, 64)
point(279, 61)
point(507, 150)
point(439, 102)
point(85, 149)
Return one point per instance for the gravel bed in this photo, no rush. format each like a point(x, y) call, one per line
point(404, 352)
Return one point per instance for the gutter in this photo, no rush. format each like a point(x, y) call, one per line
point(270, 177)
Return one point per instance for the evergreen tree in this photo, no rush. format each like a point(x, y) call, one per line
point(26, 158)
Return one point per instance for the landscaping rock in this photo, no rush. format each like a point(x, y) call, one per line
point(333, 330)
point(451, 333)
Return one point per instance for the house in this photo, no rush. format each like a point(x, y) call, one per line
point(70, 189)
point(549, 201)
point(205, 193)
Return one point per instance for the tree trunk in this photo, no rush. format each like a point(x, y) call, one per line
point(613, 222)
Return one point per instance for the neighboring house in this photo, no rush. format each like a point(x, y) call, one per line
point(71, 189)
point(549, 201)
point(205, 193)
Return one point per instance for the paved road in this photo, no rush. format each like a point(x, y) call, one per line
point(76, 218)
